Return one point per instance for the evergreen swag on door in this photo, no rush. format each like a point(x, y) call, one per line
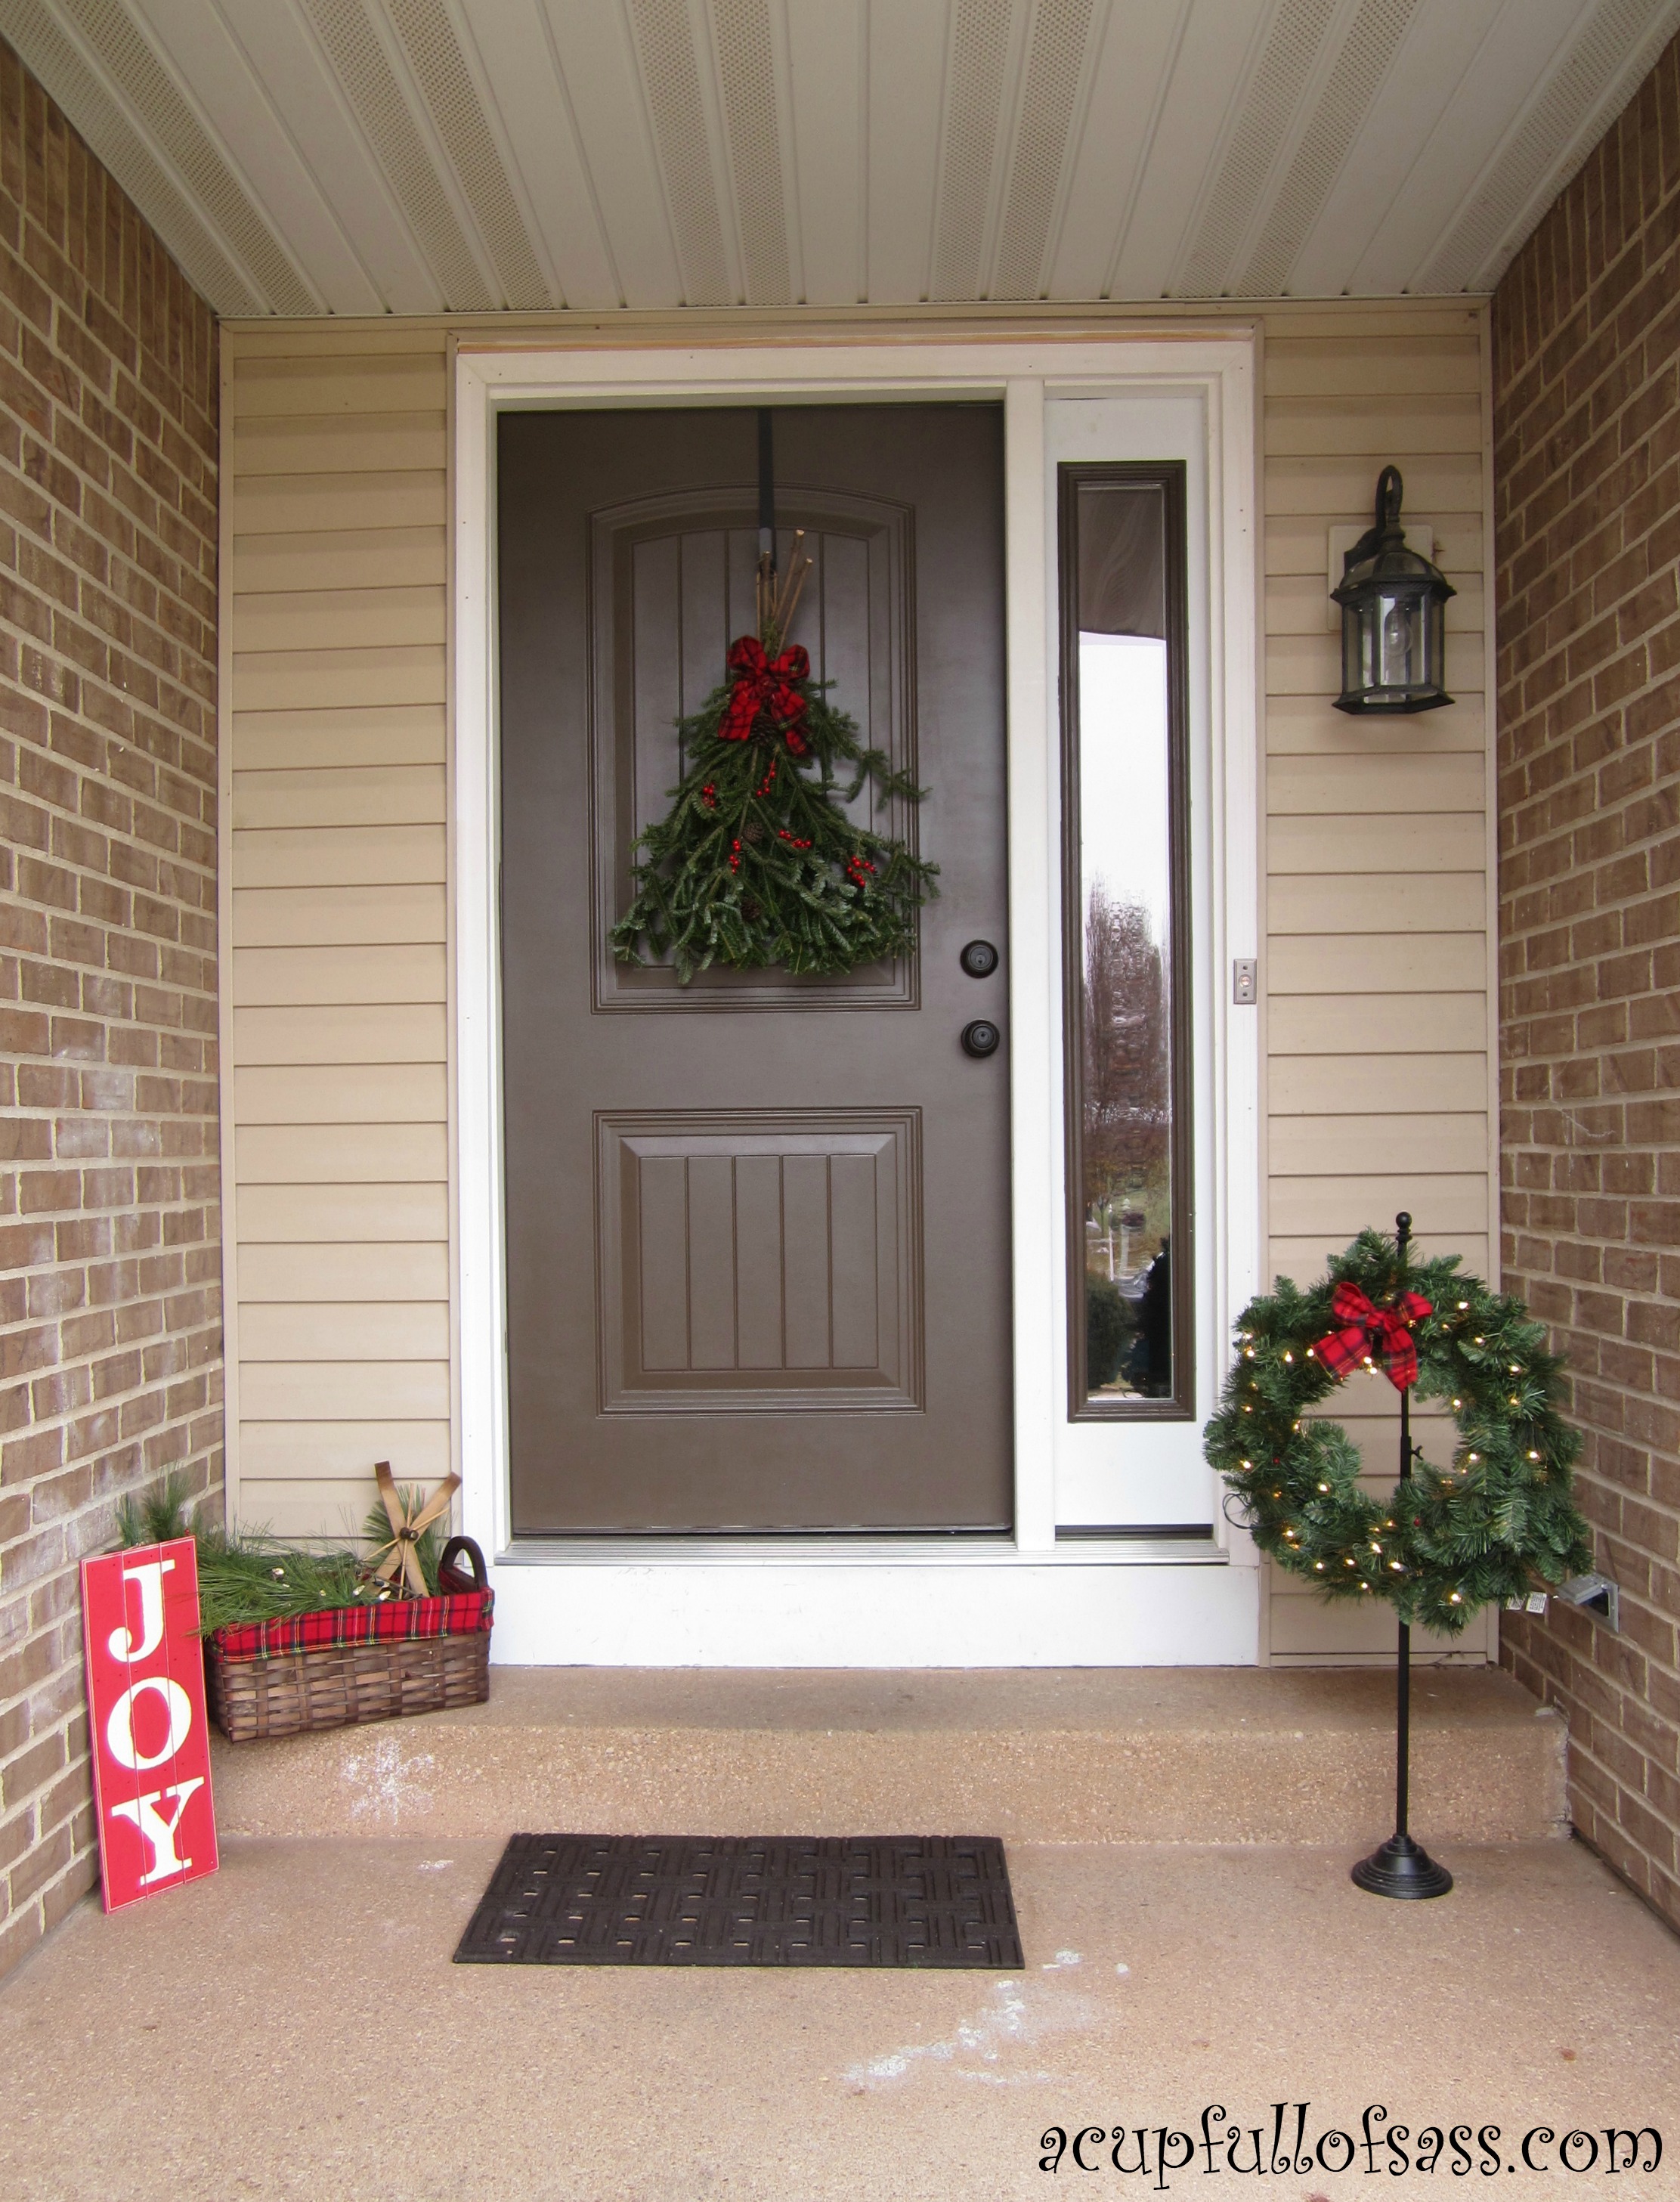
point(756, 864)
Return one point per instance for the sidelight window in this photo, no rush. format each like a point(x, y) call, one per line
point(1125, 947)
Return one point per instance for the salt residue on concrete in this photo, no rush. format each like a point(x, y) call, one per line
point(1019, 2013)
point(385, 1781)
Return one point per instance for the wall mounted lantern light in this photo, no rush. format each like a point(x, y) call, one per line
point(1393, 616)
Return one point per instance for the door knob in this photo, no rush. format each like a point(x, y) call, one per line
point(982, 1038)
point(979, 959)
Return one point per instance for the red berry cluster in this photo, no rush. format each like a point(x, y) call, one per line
point(735, 856)
point(708, 795)
point(792, 840)
point(860, 871)
point(767, 783)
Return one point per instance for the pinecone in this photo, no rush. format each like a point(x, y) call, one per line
point(751, 909)
point(752, 831)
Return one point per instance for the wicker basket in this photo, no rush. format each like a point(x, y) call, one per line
point(355, 1663)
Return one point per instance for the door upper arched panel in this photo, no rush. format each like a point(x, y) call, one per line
point(671, 585)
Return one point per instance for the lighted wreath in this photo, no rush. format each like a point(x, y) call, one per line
point(1498, 1523)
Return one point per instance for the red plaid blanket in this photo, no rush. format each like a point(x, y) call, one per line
point(391, 1619)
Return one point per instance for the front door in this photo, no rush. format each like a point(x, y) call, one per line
point(757, 1228)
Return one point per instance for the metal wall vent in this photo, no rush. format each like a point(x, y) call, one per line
point(1360, 66)
point(51, 57)
point(446, 86)
point(157, 101)
point(364, 70)
point(664, 40)
point(1619, 47)
point(1291, 52)
point(1055, 64)
point(974, 100)
point(747, 71)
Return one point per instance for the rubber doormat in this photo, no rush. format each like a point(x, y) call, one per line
point(924, 1901)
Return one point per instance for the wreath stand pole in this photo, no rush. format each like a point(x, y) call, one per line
point(1402, 1868)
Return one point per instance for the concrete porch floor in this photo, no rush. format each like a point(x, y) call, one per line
point(294, 2028)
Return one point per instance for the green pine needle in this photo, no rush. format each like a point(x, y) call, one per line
point(376, 1533)
point(155, 1516)
point(256, 1577)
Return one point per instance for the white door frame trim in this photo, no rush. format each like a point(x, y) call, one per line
point(1019, 1600)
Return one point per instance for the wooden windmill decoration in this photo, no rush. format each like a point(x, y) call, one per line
point(397, 1556)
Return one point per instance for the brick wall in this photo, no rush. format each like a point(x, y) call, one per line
point(1587, 462)
point(110, 1338)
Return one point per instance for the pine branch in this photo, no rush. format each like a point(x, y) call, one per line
point(757, 865)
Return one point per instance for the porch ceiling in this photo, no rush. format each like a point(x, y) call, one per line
point(368, 156)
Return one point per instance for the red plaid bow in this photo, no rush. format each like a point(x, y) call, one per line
point(1372, 1330)
point(763, 683)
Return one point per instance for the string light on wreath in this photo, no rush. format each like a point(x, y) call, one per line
point(1496, 1522)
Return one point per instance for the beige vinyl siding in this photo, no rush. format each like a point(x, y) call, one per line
point(338, 952)
point(1377, 973)
point(1375, 947)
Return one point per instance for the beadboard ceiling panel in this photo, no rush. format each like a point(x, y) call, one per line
point(528, 89)
point(828, 107)
point(595, 52)
point(366, 156)
point(280, 101)
point(909, 64)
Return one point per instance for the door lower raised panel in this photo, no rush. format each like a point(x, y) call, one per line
point(760, 1261)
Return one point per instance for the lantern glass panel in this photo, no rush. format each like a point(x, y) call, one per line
point(1355, 667)
point(1400, 639)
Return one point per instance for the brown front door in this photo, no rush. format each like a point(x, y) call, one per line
point(757, 1228)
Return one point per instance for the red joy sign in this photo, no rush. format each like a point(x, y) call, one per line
point(150, 1739)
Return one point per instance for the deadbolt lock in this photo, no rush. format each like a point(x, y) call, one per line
point(982, 1038)
point(979, 959)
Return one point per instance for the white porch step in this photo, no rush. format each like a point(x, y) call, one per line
point(1154, 1755)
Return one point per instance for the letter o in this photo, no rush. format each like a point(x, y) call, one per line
point(120, 1729)
point(1347, 2141)
point(1564, 2147)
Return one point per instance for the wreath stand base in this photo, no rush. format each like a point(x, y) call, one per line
point(1402, 1868)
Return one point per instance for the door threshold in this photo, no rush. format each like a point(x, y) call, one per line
point(1172, 1546)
